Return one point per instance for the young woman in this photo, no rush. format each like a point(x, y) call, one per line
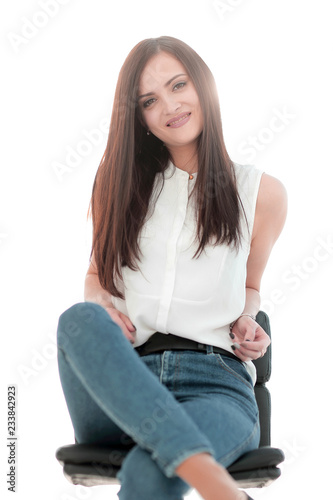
point(159, 356)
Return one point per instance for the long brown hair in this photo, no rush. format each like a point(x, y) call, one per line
point(125, 177)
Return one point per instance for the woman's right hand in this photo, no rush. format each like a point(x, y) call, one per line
point(124, 322)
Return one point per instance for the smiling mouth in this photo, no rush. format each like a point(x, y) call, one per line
point(179, 120)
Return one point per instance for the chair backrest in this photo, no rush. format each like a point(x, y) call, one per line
point(263, 366)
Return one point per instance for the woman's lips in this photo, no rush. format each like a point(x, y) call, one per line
point(179, 120)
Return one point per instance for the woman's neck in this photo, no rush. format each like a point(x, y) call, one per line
point(185, 158)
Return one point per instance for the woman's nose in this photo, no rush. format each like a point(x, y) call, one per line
point(171, 106)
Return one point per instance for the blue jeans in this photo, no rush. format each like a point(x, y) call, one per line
point(169, 405)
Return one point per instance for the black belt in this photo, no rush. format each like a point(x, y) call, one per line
point(168, 342)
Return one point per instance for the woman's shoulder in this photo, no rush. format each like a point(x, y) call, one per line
point(270, 189)
point(272, 204)
point(272, 195)
point(263, 195)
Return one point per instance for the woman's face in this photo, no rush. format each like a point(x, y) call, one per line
point(171, 110)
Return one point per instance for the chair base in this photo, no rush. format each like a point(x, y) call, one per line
point(85, 476)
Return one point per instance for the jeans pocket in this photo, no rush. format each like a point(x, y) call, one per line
point(236, 368)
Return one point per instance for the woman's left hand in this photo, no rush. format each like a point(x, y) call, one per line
point(251, 340)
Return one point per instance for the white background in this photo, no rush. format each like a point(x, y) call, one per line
point(59, 72)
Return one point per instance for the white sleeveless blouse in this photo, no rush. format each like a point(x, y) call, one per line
point(173, 293)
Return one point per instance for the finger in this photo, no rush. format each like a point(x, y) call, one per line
point(252, 346)
point(247, 334)
point(236, 336)
point(250, 334)
point(239, 353)
point(128, 323)
point(256, 345)
point(124, 328)
point(130, 330)
point(128, 334)
point(261, 335)
point(245, 354)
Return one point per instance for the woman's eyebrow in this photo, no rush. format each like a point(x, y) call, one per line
point(167, 83)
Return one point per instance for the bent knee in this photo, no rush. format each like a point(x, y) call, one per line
point(76, 320)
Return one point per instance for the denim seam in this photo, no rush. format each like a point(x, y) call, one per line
point(175, 375)
point(162, 367)
point(236, 451)
point(230, 370)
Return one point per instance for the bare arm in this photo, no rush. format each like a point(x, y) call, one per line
point(270, 216)
point(252, 301)
point(94, 292)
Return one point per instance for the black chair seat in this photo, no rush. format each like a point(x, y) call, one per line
point(257, 468)
point(92, 465)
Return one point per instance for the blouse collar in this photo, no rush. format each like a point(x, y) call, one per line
point(181, 174)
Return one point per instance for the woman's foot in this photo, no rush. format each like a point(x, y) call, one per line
point(209, 478)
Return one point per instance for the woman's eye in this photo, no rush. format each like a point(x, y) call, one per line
point(179, 85)
point(149, 102)
point(146, 104)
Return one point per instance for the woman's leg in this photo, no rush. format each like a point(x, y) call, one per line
point(124, 389)
point(91, 424)
point(142, 479)
point(218, 395)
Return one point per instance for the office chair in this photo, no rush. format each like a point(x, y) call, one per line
point(92, 465)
